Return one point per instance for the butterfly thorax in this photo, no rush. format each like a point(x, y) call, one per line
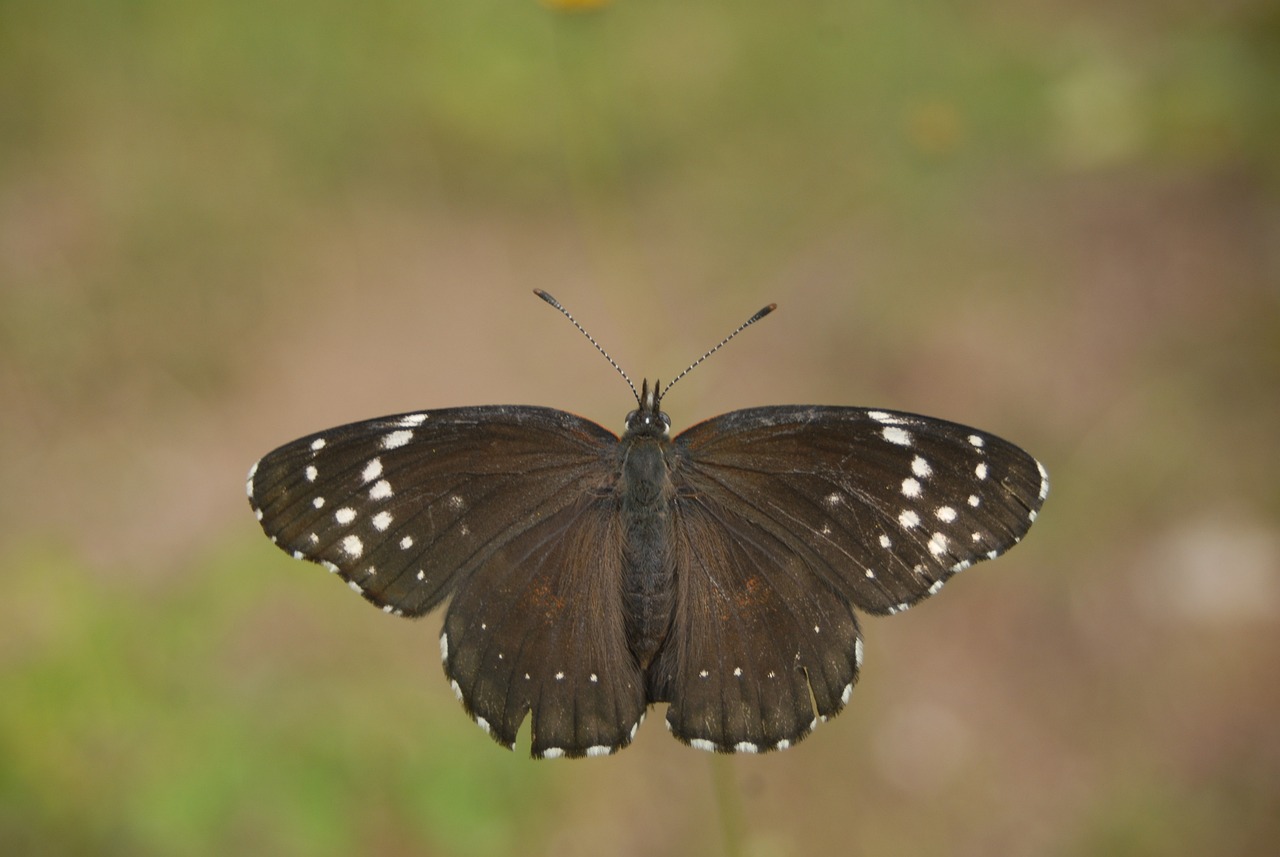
point(645, 491)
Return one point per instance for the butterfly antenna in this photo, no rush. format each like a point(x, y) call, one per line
point(761, 314)
point(555, 303)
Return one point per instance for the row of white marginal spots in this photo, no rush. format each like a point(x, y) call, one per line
point(379, 489)
point(696, 743)
point(912, 489)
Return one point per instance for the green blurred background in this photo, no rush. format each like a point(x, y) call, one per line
point(224, 225)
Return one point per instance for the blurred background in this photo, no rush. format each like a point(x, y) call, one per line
point(225, 225)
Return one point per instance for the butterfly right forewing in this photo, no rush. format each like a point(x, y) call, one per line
point(883, 506)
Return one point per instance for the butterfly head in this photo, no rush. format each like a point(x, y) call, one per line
point(648, 420)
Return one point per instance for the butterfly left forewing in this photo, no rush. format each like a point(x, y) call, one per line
point(404, 507)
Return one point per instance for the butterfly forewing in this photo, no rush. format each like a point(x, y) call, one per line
point(881, 506)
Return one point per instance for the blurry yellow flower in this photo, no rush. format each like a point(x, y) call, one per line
point(574, 5)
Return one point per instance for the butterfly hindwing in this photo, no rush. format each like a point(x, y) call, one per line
point(539, 627)
point(757, 639)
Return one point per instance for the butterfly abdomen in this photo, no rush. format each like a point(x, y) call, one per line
point(648, 586)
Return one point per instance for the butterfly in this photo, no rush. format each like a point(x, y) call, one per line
point(591, 576)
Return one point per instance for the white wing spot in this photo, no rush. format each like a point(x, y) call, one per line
point(992, 554)
point(832, 499)
point(772, 674)
point(974, 500)
point(387, 608)
point(848, 692)
point(345, 515)
point(457, 690)
point(976, 441)
point(599, 750)
point(885, 542)
point(483, 724)
point(412, 420)
point(702, 744)
point(857, 653)
point(703, 674)
point(456, 502)
point(817, 629)
point(746, 747)
point(422, 575)
point(372, 470)
point(893, 434)
point(937, 544)
point(945, 514)
point(908, 519)
point(871, 575)
point(396, 439)
point(333, 569)
point(961, 566)
point(886, 418)
point(1044, 480)
point(312, 473)
point(352, 546)
point(297, 555)
point(634, 727)
point(977, 537)
point(444, 647)
point(552, 753)
point(317, 444)
point(559, 676)
point(594, 678)
point(981, 470)
point(464, 530)
point(382, 520)
point(406, 543)
point(920, 467)
point(910, 487)
point(782, 745)
point(933, 590)
point(318, 502)
point(826, 529)
point(313, 538)
point(381, 490)
point(355, 587)
point(737, 671)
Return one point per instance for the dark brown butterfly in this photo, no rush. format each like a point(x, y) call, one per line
point(592, 575)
